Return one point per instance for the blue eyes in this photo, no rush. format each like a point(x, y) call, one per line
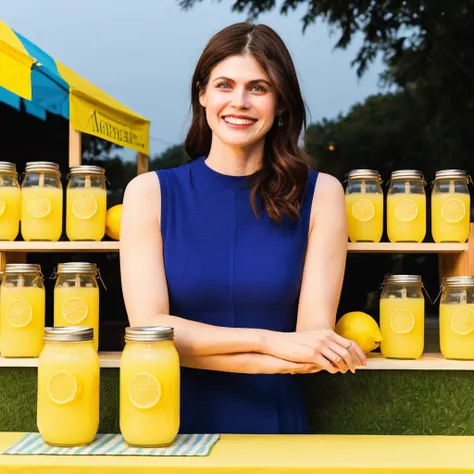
point(256, 88)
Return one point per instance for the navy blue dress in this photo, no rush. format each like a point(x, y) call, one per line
point(226, 268)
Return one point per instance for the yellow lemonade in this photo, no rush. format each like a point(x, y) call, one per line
point(149, 392)
point(402, 324)
point(85, 213)
point(456, 330)
point(364, 216)
point(10, 204)
point(68, 391)
point(406, 217)
point(41, 213)
point(450, 214)
point(22, 312)
point(77, 306)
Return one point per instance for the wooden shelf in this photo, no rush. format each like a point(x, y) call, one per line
point(429, 361)
point(113, 246)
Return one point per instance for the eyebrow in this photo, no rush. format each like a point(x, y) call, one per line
point(252, 82)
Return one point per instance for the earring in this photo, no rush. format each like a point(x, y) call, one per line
point(280, 121)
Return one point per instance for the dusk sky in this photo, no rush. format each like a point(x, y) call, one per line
point(143, 53)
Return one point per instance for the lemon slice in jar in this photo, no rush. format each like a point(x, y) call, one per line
point(3, 206)
point(84, 206)
point(62, 387)
point(144, 390)
point(19, 313)
point(74, 310)
point(406, 210)
point(462, 321)
point(39, 206)
point(453, 210)
point(363, 210)
point(402, 321)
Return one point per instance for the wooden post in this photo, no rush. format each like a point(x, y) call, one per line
point(142, 163)
point(75, 147)
point(458, 264)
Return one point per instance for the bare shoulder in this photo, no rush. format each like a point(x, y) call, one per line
point(143, 193)
point(328, 186)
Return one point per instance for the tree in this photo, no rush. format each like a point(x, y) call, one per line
point(170, 158)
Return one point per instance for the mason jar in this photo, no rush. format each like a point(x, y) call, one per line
point(41, 202)
point(22, 310)
point(450, 206)
point(149, 387)
point(406, 206)
point(10, 201)
point(86, 203)
point(456, 317)
point(364, 206)
point(402, 317)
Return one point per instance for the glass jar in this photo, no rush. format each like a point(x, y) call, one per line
point(86, 203)
point(450, 206)
point(456, 317)
point(22, 310)
point(41, 202)
point(149, 387)
point(406, 207)
point(364, 206)
point(10, 201)
point(402, 317)
point(76, 296)
point(68, 387)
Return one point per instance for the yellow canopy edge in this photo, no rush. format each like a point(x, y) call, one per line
point(95, 112)
point(15, 64)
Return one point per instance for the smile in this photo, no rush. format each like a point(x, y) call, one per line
point(239, 121)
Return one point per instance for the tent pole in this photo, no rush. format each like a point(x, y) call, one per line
point(75, 147)
point(142, 163)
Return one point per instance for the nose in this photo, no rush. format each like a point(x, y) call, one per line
point(240, 98)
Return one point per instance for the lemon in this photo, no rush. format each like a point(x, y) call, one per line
point(62, 387)
point(406, 210)
point(84, 206)
point(363, 210)
point(3, 206)
point(144, 390)
point(39, 206)
point(453, 210)
point(462, 321)
point(19, 313)
point(74, 310)
point(402, 321)
point(361, 328)
point(112, 222)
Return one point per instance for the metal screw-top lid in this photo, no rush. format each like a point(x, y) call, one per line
point(41, 166)
point(77, 267)
point(24, 268)
point(87, 169)
point(69, 334)
point(458, 281)
point(407, 174)
point(364, 174)
point(7, 166)
point(390, 279)
point(451, 174)
point(149, 334)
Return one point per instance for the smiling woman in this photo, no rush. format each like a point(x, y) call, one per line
point(242, 251)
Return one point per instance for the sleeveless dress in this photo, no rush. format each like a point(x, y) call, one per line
point(227, 268)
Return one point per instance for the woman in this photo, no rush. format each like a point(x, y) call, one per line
point(239, 250)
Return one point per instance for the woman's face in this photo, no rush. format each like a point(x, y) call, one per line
point(240, 101)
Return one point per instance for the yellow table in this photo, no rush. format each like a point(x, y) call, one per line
point(275, 454)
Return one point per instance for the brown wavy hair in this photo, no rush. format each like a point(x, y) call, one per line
point(281, 181)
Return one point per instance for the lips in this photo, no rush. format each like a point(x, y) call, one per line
point(241, 121)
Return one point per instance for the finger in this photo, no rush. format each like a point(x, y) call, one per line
point(325, 364)
point(344, 355)
point(354, 350)
point(336, 358)
point(360, 353)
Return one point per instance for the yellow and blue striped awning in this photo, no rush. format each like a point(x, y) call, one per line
point(44, 84)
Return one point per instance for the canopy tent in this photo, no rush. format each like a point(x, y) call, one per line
point(43, 84)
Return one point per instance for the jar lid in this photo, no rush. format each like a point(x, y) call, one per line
point(41, 166)
point(77, 267)
point(451, 174)
point(87, 169)
point(149, 334)
point(458, 281)
point(407, 174)
point(403, 279)
point(364, 174)
point(69, 334)
point(14, 268)
point(7, 166)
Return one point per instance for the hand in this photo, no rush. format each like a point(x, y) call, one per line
point(324, 348)
point(272, 365)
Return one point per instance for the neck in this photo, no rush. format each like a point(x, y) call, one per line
point(233, 160)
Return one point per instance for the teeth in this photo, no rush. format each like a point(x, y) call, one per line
point(238, 121)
